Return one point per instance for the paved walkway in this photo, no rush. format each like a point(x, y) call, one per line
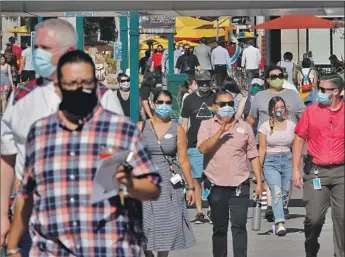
point(263, 243)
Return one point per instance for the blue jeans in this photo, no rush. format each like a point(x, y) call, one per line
point(277, 173)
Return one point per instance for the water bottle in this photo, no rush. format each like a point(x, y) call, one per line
point(3, 251)
point(256, 218)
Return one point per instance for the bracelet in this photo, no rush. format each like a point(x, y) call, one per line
point(190, 189)
point(12, 251)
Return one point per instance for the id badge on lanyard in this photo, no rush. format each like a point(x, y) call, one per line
point(316, 180)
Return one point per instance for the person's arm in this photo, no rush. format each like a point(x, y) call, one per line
point(299, 77)
point(184, 162)
point(301, 134)
point(252, 155)
point(20, 223)
point(241, 106)
point(178, 65)
point(22, 61)
point(197, 63)
point(185, 124)
point(300, 106)
point(294, 72)
point(262, 147)
point(147, 109)
point(144, 95)
point(143, 182)
point(315, 78)
point(259, 56)
point(278, 63)
point(152, 68)
point(253, 114)
point(142, 112)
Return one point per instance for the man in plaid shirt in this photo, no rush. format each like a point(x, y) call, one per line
point(62, 154)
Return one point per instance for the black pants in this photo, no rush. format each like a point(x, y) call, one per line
point(219, 199)
point(220, 73)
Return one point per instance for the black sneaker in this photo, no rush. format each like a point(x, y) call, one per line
point(286, 213)
point(199, 218)
point(269, 216)
point(208, 214)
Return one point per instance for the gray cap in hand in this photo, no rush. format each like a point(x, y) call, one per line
point(202, 75)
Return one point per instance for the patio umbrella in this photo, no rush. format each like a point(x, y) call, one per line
point(181, 22)
point(245, 35)
point(296, 22)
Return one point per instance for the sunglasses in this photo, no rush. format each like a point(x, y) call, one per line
point(279, 76)
point(203, 83)
point(223, 104)
point(324, 90)
point(124, 80)
point(163, 102)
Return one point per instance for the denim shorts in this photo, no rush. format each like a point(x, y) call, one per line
point(196, 160)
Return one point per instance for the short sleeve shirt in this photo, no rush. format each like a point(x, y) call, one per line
point(278, 140)
point(27, 54)
point(259, 107)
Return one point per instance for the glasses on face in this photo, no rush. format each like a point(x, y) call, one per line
point(223, 104)
point(124, 80)
point(324, 90)
point(158, 102)
point(275, 76)
point(186, 49)
point(205, 83)
point(85, 83)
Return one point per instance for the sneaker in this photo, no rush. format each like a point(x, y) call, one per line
point(279, 229)
point(269, 216)
point(286, 213)
point(199, 218)
point(208, 214)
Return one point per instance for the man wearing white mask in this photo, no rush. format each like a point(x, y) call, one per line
point(36, 100)
point(123, 94)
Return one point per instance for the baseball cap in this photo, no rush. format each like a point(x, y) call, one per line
point(202, 75)
point(258, 82)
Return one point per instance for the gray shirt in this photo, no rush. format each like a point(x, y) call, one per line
point(203, 53)
point(259, 107)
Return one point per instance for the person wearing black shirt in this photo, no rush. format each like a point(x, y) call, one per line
point(187, 62)
point(197, 107)
point(143, 63)
point(124, 95)
point(148, 86)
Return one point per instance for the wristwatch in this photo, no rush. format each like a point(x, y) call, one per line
point(190, 188)
point(10, 252)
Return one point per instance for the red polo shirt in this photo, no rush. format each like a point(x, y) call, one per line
point(323, 129)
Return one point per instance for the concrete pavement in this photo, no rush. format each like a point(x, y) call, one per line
point(263, 243)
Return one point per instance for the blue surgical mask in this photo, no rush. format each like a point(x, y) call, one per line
point(163, 110)
point(42, 63)
point(323, 99)
point(226, 112)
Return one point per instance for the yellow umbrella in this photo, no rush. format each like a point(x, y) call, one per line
point(181, 22)
point(196, 34)
point(22, 29)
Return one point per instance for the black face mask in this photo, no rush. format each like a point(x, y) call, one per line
point(80, 102)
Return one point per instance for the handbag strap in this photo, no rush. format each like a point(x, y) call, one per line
point(159, 143)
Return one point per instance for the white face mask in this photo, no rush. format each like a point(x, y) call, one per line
point(125, 86)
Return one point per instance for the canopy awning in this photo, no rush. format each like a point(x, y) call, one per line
point(22, 29)
point(196, 34)
point(296, 22)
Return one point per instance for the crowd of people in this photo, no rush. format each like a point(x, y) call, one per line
point(55, 128)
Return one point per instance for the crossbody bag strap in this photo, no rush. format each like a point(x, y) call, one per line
point(159, 143)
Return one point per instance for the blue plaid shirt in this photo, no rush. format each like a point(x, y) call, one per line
point(59, 169)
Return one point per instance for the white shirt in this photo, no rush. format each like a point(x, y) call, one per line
point(27, 54)
point(251, 58)
point(220, 56)
point(288, 85)
point(37, 104)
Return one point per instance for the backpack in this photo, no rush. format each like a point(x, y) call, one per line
point(306, 85)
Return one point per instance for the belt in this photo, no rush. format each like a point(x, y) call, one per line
point(220, 65)
point(330, 166)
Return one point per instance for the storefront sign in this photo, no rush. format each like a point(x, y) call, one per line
point(157, 25)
